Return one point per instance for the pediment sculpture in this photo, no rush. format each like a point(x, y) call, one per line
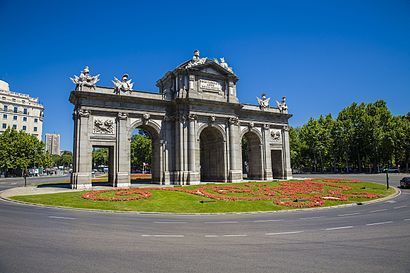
point(85, 79)
point(263, 102)
point(124, 85)
point(282, 106)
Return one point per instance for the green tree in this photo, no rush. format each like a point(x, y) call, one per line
point(100, 157)
point(141, 150)
point(19, 150)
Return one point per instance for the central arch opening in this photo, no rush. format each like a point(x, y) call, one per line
point(251, 156)
point(144, 153)
point(212, 158)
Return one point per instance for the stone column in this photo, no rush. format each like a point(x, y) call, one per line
point(267, 159)
point(122, 176)
point(287, 170)
point(81, 176)
point(235, 172)
point(165, 143)
point(193, 175)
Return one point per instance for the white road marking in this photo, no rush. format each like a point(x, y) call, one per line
point(266, 221)
point(407, 219)
point(283, 233)
point(170, 222)
point(379, 223)
point(400, 207)
point(391, 201)
point(349, 214)
point(163, 235)
point(313, 217)
point(61, 217)
point(222, 222)
point(336, 228)
point(211, 236)
point(378, 210)
point(235, 235)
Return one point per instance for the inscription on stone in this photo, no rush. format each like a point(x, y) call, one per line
point(208, 85)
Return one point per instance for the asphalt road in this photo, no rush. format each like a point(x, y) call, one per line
point(7, 183)
point(368, 238)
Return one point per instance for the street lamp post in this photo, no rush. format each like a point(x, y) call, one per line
point(387, 177)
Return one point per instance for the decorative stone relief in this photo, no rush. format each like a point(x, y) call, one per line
point(105, 126)
point(263, 102)
point(275, 134)
point(251, 125)
point(282, 106)
point(85, 79)
point(124, 85)
point(212, 119)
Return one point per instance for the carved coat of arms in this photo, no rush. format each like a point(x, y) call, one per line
point(103, 126)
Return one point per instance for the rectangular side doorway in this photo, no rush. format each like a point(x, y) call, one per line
point(277, 164)
point(103, 166)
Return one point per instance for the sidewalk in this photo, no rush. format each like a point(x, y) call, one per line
point(32, 190)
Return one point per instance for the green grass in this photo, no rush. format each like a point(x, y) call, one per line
point(180, 202)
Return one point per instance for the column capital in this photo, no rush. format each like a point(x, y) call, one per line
point(286, 128)
point(233, 121)
point(192, 117)
point(83, 113)
point(266, 126)
point(122, 115)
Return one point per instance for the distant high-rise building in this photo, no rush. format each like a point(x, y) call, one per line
point(53, 144)
point(20, 111)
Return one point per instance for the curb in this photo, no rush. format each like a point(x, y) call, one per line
point(394, 195)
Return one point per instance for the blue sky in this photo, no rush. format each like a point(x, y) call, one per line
point(322, 55)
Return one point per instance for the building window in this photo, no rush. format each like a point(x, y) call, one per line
point(25, 111)
point(4, 116)
point(15, 109)
point(35, 129)
point(35, 120)
point(14, 126)
point(14, 99)
point(4, 125)
point(23, 101)
point(5, 108)
point(3, 98)
point(14, 117)
point(24, 127)
point(24, 118)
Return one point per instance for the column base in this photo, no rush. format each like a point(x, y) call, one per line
point(194, 178)
point(267, 175)
point(235, 176)
point(166, 178)
point(123, 179)
point(288, 174)
point(81, 181)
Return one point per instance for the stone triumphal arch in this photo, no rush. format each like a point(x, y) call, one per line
point(195, 121)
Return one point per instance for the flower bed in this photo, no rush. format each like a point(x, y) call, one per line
point(295, 194)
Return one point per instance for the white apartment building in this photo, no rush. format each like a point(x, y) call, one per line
point(20, 111)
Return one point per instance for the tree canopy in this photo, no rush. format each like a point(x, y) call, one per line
point(363, 137)
point(19, 150)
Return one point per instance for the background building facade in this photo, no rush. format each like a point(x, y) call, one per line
point(20, 111)
point(53, 144)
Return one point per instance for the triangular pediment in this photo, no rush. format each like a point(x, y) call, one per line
point(212, 67)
